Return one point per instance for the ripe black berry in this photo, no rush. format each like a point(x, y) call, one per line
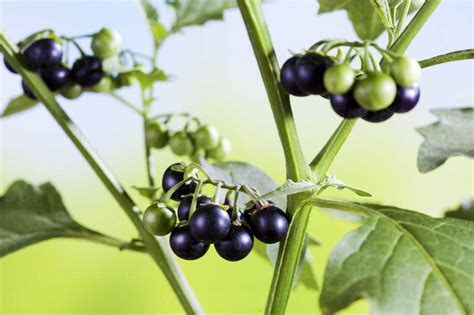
point(210, 223)
point(269, 224)
point(287, 77)
point(185, 206)
point(237, 244)
point(185, 246)
point(406, 99)
point(171, 178)
point(378, 116)
point(9, 66)
point(346, 106)
point(87, 71)
point(27, 91)
point(309, 70)
point(55, 77)
point(43, 53)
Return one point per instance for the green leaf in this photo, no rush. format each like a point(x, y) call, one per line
point(290, 187)
point(332, 181)
point(147, 192)
point(464, 212)
point(362, 14)
point(192, 12)
point(157, 29)
point(450, 136)
point(29, 215)
point(404, 262)
point(146, 80)
point(18, 104)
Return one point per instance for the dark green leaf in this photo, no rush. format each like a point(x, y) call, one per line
point(362, 14)
point(404, 262)
point(18, 104)
point(29, 215)
point(192, 12)
point(450, 136)
point(464, 212)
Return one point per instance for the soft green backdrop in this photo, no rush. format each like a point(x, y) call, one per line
point(217, 79)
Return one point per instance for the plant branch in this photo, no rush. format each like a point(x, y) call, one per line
point(110, 241)
point(126, 103)
point(157, 248)
point(449, 57)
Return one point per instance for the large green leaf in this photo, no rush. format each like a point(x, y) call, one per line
point(450, 136)
point(362, 14)
point(157, 29)
point(192, 12)
point(404, 262)
point(18, 104)
point(29, 215)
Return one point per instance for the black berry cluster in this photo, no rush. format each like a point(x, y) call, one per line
point(212, 222)
point(374, 95)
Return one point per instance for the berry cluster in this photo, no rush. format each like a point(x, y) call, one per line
point(372, 95)
point(204, 221)
point(45, 56)
point(194, 139)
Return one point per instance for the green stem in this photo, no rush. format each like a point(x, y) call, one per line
point(126, 103)
point(109, 241)
point(449, 57)
point(323, 160)
point(157, 248)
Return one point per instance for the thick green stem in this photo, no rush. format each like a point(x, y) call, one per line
point(449, 57)
point(157, 248)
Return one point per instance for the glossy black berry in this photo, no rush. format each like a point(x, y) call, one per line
point(87, 71)
point(27, 91)
point(269, 224)
point(43, 53)
point(406, 99)
point(346, 106)
point(309, 72)
point(171, 178)
point(210, 223)
point(55, 77)
point(185, 246)
point(288, 78)
point(185, 206)
point(378, 116)
point(236, 245)
point(9, 66)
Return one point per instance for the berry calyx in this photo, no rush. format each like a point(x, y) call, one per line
point(405, 71)
point(87, 71)
point(269, 224)
point(27, 91)
point(221, 151)
point(185, 206)
point(181, 144)
point(172, 177)
point(346, 106)
point(55, 77)
point(159, 219)
point(156, 134)
point(376, 91)
point(378, 116)
point(185, 246)
point(236, 245)
point(406, 99)
point(210, 223)
point(207, 137)
point(106, 43)
point(339, 79)
point(43, 53)
point(288, 77)
point(309, 72)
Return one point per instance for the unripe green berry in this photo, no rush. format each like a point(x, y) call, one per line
point(376, 91)
point(71, 90)
point(206, 137)
point(221, 151)
point(156, 135)
point(106, 43)
point(105, 85)
point(338, 79)
point(159, 219)
point(405, 71)
point(181, 144)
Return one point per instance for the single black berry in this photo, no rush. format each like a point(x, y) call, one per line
point(55, 77)
point(185, 246)
point(27, 91)
point(185, 206)
point(378, 116)
point(43, 53)
point(269, 224)
point(210, 223)
point(171, 178)
point(87, 71)
point(346, 106)
point(288, 79)
point(309, 72)
point(9, 66)
point(236, 245)
point(406, 99)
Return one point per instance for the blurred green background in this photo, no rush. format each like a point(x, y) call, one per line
point(215, 78)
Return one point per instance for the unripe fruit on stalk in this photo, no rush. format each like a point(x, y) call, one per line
point(159, 219)
point(106, 43)
point(339, 79)
point(376, 91)
point(105, 85)
point(181, 144)
point(156, 134)
point(405, 71)
point(221, 151)
point(207, 137)
point(71, 91)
